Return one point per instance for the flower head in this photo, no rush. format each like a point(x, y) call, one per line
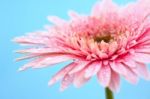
point(112, 41)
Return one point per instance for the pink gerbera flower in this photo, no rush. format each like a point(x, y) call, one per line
point(112, 41)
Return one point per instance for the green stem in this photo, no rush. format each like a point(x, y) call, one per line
point(108, 94)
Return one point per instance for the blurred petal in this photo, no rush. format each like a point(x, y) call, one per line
point(119, 68)
point(92, 69)
point(79, 67)
point(79, 79)
point(56, 20)
point(45, 62)
point(66, 81)
point(61, 73)
point(115, 81)
point(104, 75)
point(142, 70)
point(141, 57)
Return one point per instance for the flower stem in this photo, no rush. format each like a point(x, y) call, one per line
point(108, 93)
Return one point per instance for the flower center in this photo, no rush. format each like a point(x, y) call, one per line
point(105, 38)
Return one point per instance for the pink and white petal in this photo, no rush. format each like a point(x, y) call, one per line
point(130, 63)
point(131, 76)
point(142, 71)
point(66, 81)
point(47, 61)
point(74, 15)
point(102, 7)
point(30, 64)
point(118, 67)
point(143, 50)
point(104, 75)
point(124, 71)
point(115, 81)
point(92, 69)
point(80, 65)
point(102, 54)
point(56, 20)
point(25, 41)
point(33, 39)
point(141, 57)
point(42, 62)
point(95, 9)
point(144, 35)
point(79, 79)
point(61, 73)
point(112, 47)
point(26, 57)
point(104, 46)
point(39, 51)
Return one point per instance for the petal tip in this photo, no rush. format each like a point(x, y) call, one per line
point(51, 82)
point(61, 89)
point(21, 69)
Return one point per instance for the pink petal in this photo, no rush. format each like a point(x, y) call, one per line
point(79, 79)
point(131, 76)
point(143, 50)
point(74, 15)
point(95, 8)
point(104, 75)
point(104, 46)
point(125, 71)
point(129, 62)
point(102, 54)
point(56, 20)
point(118, 67)
point(80, 66)
point(67, 80)
point(115, 81)
point(112, 47)
point(141, 57)
point(103, 8)
point(61, 73)
point(45, 62)
point(38, 51)
point(34, 38)
point(26, 57)
point(142, 71)
point(92, 69)
point(51, 61)
point(30, 64)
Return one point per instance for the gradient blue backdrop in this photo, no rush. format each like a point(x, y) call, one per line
point(20, 16)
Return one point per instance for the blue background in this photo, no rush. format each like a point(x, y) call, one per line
point(20, 16)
